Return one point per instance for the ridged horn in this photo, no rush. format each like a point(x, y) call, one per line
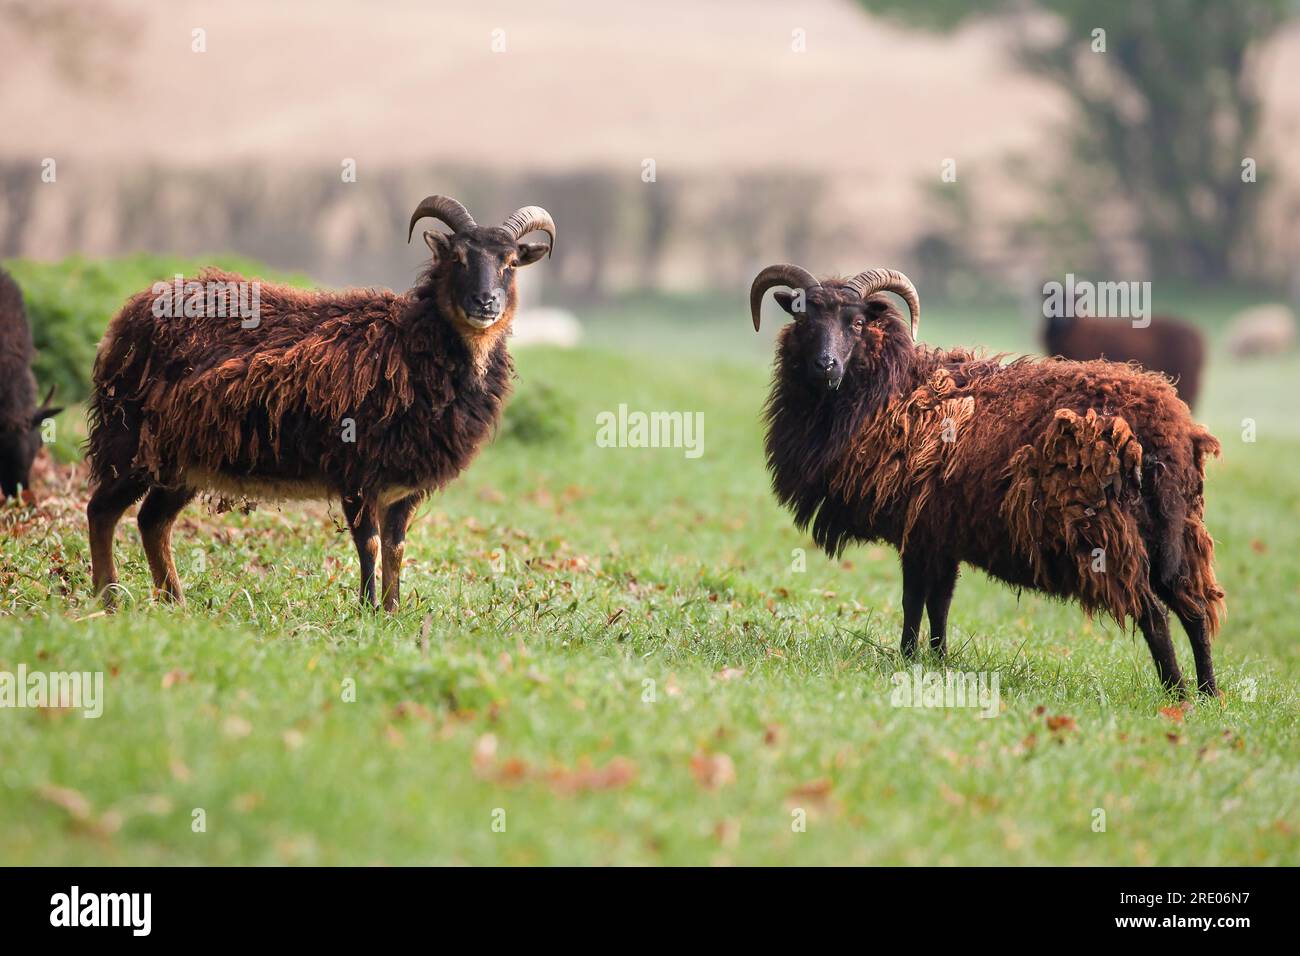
point(445, 209)
point(888, 280)
point(786, 274)
point(528, 219)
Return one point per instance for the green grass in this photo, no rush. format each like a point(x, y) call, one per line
point(557, 578)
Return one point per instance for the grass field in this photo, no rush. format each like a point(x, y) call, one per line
point(615, 648)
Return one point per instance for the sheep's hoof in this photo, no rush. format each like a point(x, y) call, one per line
point(166, 595)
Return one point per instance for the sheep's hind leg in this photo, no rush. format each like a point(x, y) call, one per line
point(158, 513)
point(914, 589)
point(1154, 623)
point(1199, 635)
point(363, 524)
point(938, 599)
point(397, 517)
point(107, 505)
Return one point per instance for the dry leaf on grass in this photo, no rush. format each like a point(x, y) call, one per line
point(1176, 712)
point(814, 793)
point(727, 832)
point(235, 726)
point(82, 813)
point(76, 804)
point(1061, 724)
point(618, 773)
point(712, 771)
point(584, 778)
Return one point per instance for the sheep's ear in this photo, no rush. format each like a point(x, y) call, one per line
point(875, 308)
point(785, 300)
point(436, 242)
point(530, 252)
point(43, 413)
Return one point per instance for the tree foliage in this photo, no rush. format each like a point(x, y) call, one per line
point(1167, 107)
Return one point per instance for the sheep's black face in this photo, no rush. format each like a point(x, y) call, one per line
point(828, 332)
point(17, 452)
point(480, 266)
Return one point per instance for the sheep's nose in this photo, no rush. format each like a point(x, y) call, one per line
point(827, 362)
point(485, 300)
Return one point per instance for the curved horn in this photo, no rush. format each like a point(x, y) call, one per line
point(795, 277)
point(888, 280)
point(443, 208)
point(528, 219)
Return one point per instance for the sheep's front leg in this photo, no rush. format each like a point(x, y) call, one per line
point(397, 517)
point(363, 524)
point(914, 589)
point(938, 598)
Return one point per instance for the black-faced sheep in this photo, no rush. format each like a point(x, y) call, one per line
point(20, 418)
point(1082, 480)
point(369, 396)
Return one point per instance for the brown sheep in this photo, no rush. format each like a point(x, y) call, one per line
point(368, 396)
point(1167, 345)
point(1081, 480)
point(20, 419)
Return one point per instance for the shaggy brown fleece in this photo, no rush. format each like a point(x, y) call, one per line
point(267, 411)
point(1023, 468)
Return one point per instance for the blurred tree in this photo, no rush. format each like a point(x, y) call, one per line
point(661, 212)
point(87, 41)
point(1168, 108)
point(86, 44)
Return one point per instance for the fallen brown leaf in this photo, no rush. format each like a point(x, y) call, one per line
point(1176, 713)
point(236, 726)
point(73, 801)
point(712, 771)
point(818, 789)
point(1061, 723)
point(618, 773)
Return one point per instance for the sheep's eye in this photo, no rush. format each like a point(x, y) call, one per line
point(858, 324)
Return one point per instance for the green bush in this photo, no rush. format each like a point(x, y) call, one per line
point(537, 414)
point(70, 303)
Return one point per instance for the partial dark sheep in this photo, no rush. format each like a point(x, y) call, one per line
point(20, 418)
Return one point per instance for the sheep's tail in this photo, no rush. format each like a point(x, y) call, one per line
point(121, 367)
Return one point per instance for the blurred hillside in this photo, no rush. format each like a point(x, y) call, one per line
point(813, 132)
